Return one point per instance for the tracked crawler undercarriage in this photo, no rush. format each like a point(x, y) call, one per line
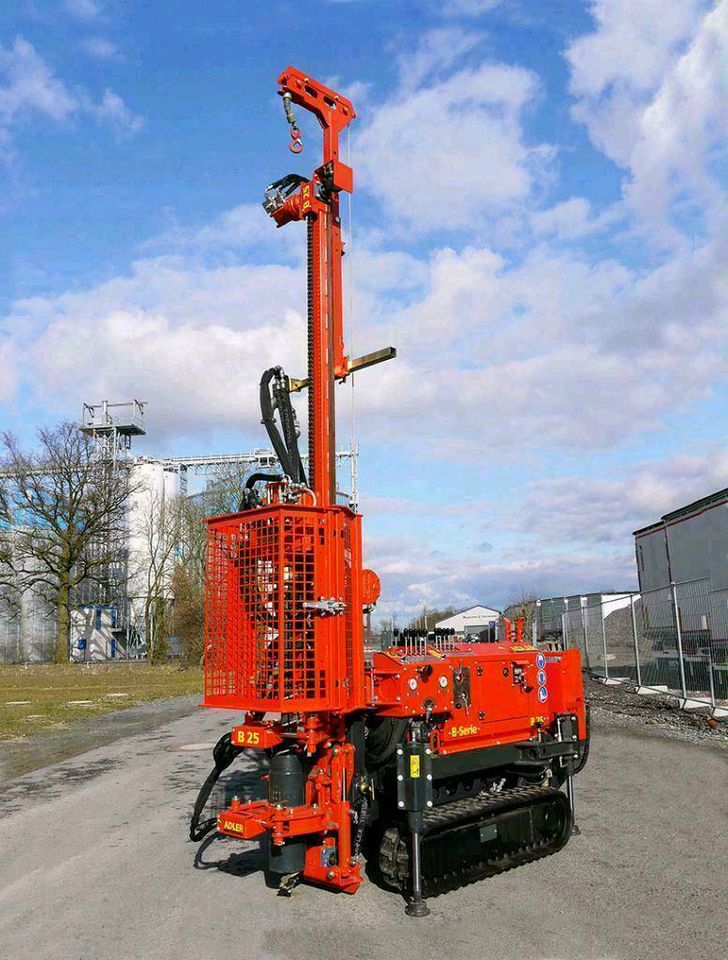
point(469, 840)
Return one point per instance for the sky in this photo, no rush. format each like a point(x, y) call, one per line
point(538, 226)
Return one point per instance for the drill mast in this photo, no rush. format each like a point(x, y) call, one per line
point(317, 201)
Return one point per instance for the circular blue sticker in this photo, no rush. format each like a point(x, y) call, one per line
point(540, 661)
point(542, 694)
point(541, 678)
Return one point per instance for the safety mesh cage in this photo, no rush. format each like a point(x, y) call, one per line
point(261, 652)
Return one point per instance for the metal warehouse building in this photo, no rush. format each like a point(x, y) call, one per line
point(682, 563)
point(688, 544)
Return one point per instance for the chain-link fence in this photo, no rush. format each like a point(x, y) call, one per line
point(673, 639)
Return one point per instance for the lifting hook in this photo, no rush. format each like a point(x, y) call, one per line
point(296, 144)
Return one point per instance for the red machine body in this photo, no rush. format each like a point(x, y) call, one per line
point(286, 598)
point(478, 694)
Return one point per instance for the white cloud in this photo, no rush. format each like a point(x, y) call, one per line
point(648, 88)
point(84, 9)
point(632, 46)
point(566, 535)
point(112, 111)
point(413, 573)
point(245, 229)
point(29, 88)
point(466, 158)
point(437, 50)
point(190, 341)
point(498, 360)
point(573, 219)
point(468, 8)
point(685, 120)
point(9, 372)
point(100, 48)
point(553, 353)
point(606, 510)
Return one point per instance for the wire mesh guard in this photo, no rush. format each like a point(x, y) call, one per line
point(266, 648)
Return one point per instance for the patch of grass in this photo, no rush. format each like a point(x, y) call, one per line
point(50, 688)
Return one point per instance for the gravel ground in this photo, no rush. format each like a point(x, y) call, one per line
point(619, 706)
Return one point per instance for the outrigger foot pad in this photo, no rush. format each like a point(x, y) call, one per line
point(287, 884)
point(417, 908)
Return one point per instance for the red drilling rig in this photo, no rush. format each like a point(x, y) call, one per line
point(442, 760)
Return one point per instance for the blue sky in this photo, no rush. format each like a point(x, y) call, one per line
point(538, 226)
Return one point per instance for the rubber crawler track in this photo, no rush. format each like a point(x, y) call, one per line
point(394, 848)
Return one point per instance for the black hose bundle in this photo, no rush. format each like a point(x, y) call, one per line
point(224, 752)
point(285, 446)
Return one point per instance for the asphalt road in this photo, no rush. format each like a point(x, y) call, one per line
point(96, 865)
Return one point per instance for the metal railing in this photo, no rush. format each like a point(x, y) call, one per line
point(673, 639)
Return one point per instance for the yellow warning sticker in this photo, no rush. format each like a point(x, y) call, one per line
point(414, 767)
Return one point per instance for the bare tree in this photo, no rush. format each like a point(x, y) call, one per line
point(64, 513)
point(188, 614)
point(223, 494)
point(192, 536)
point(226, 485)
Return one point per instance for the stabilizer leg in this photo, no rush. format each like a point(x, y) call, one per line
point(416, 906)
point(575, 831)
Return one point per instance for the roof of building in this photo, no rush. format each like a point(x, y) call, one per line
point(471, 613)
point(591, 593)
point(682, 513)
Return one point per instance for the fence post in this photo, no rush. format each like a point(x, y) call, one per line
point(584, 631)
point(711, 678)
point(564, 632)
point(678, 633)
point(636, 644)
point(604, 640)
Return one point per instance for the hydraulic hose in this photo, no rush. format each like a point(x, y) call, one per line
point(257, 477)
point(224, 752)
point(250, 498)
point(266, 411)
point(286, 446)
point(289, 427)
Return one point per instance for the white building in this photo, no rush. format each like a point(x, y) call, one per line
point(470, 622)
